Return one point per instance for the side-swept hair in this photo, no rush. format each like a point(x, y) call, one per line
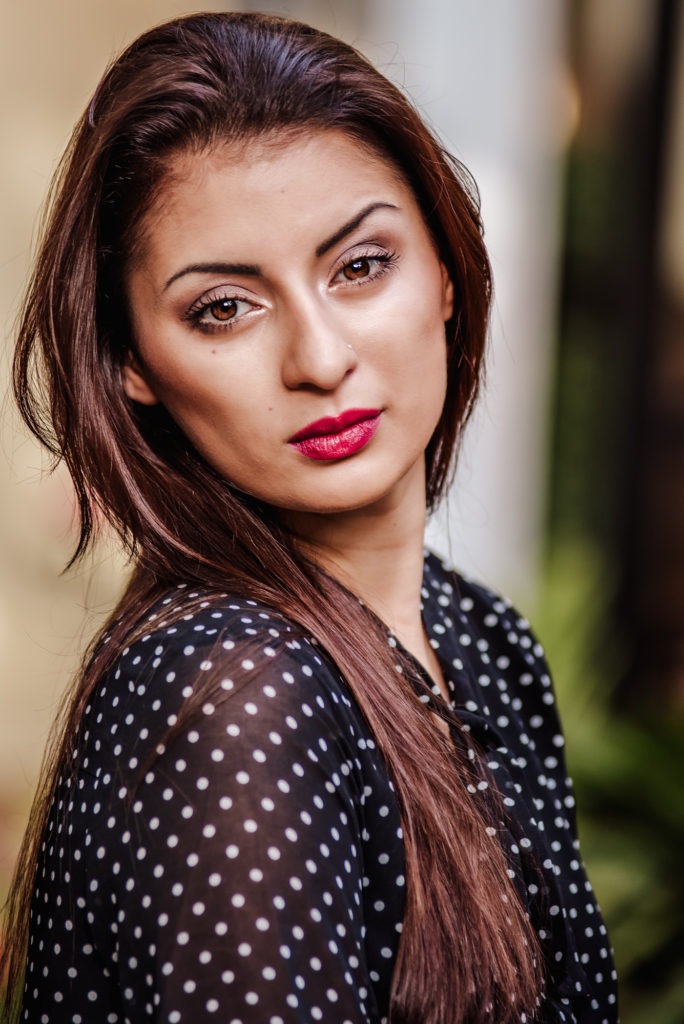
point(467, 951)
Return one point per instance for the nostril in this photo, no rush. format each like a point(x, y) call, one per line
point(317, 357)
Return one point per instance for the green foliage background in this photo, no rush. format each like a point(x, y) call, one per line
point(628, 770)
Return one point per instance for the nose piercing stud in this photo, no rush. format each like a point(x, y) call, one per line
point(348, 346)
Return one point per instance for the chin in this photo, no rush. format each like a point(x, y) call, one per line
point(372, 492)
point(322, 506)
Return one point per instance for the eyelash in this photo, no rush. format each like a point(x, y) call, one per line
point(385, 262)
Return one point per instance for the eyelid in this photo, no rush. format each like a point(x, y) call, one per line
point(359, 250)
point(218, 293)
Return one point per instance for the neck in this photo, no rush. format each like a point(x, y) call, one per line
point(377, 552)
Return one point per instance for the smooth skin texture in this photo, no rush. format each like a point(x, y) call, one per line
point(285, 283)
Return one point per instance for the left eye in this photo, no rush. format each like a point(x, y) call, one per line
point(365, 267)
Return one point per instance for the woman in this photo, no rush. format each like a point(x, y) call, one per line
point(305, 774)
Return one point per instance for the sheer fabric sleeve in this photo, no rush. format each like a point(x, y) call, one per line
point(236, 871)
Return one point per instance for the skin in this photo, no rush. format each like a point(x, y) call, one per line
point(314, 318)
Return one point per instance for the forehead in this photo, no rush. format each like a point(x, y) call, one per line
point(251, 189)
point(297, 148)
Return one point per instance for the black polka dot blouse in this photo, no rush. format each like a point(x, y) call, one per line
point(255, 874)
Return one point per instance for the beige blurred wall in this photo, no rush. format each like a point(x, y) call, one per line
point(51, 57)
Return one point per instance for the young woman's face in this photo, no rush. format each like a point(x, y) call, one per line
point(288, 310)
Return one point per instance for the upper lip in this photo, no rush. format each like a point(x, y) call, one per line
point(334, 424)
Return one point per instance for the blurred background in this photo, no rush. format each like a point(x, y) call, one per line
point(570, 489)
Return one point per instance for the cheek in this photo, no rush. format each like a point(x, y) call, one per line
point(211, 387)
point(217, 413)
point(434, 378)
point(429, 370)
point(417, 342)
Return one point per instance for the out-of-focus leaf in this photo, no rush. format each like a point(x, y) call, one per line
point(629, 779)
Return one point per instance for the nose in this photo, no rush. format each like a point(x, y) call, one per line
point(317, 352)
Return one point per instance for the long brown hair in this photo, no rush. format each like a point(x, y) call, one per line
point(467, 950)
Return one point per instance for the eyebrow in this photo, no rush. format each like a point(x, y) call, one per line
point(249, 269)
point(351, 225)
point(254, 270)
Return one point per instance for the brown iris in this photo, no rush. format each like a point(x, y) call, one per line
point(224, 309)
point(357, 269)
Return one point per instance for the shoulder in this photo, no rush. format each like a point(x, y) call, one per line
point(205, 633)
point(220, 663)
point(485, 613)
point(495, 641)
point(225, 787)
point(471, 596)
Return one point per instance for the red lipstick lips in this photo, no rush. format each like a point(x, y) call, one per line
point(336, 437)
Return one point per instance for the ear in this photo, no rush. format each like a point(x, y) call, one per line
point(135, 385)
point(447, 295)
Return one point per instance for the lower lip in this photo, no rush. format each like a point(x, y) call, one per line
point(338, 446)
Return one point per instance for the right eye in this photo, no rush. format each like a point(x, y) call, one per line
point(218, 313)
point(224, 309)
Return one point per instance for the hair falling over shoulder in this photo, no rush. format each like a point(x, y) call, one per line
point(467, 951)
